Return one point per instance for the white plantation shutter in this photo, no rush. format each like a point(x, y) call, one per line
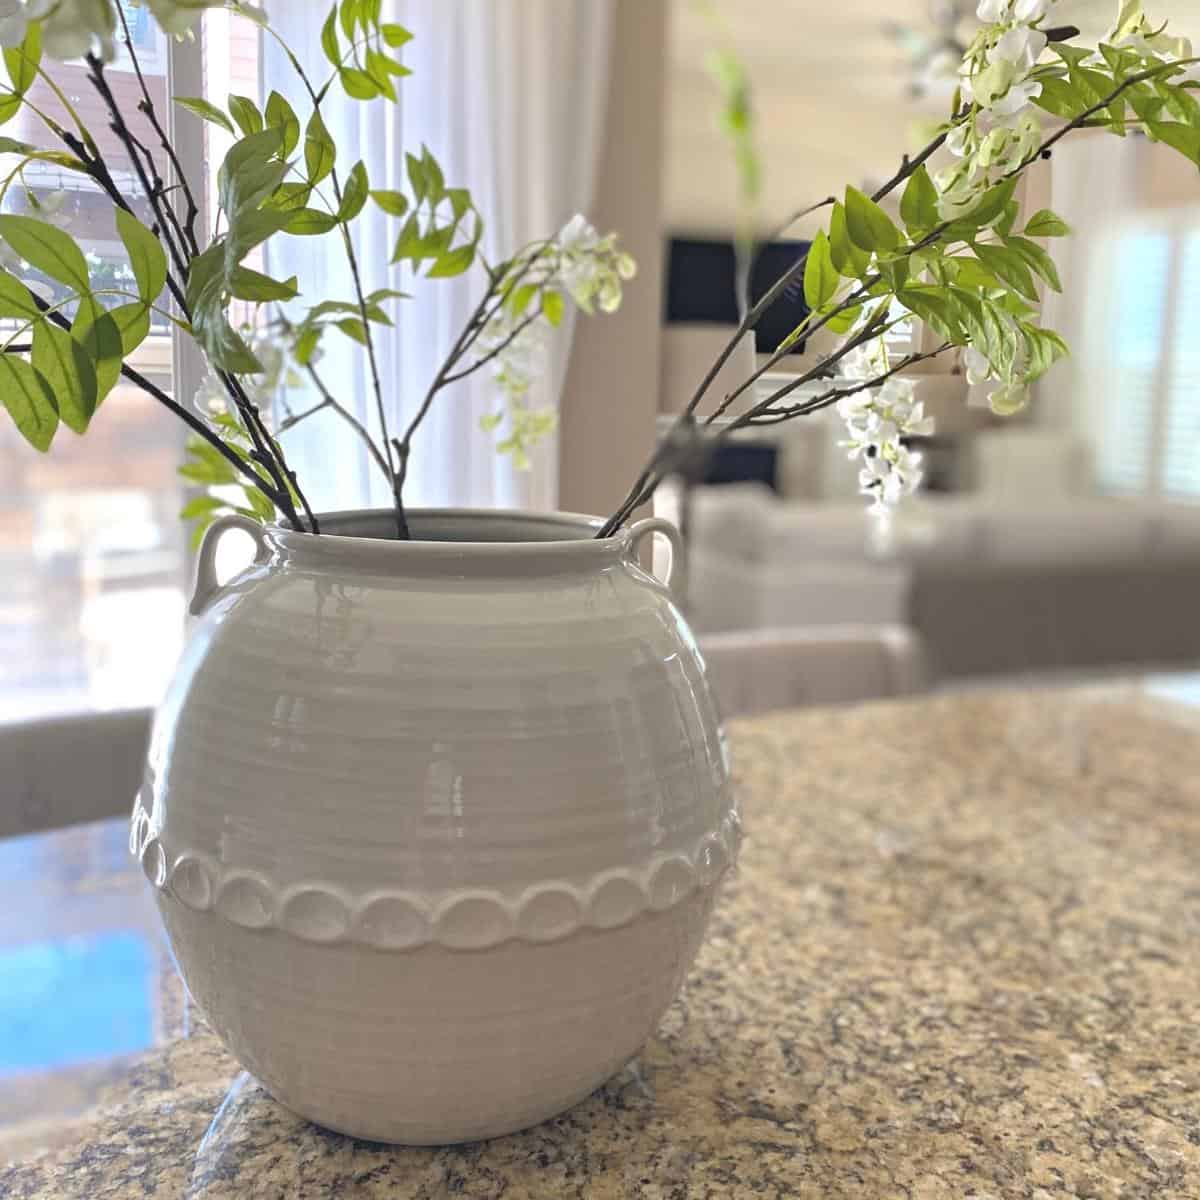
point(1148, 441)
point(1181, 432)
point(1125, 447)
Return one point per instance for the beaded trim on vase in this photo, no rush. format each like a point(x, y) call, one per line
point(466, 919)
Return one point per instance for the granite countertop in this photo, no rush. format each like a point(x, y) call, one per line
point(961, 958)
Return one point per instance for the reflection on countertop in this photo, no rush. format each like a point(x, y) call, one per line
point(85, 980)
point(959, 958)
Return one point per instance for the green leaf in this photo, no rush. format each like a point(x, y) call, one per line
point(408, 244)
point(1047, 224)
point(350, 13)
point(387, 294)
point(894, 272)
point(919, 204)
point(847, 257)
point(246, 284)
point(290, 196)
point(821, 278)
point(146, 255)
point(395, 35)
point(320, 154)
point(1178, 136)
point(66, 367)
point(250, 172)
point(245, 112)
point(27, 395)
point(209, 469)
point(10, 105)
point(393, 203)
point(200, 506)
point(936, 307)
point(993, 204)
point(870, 228)
point(1009, 267)
point(455, 262)
point(435, 181)
point(553, 306)
point(133, 322)
point(47, 248)
point(354, 196)
point(379, 67)
point(307, 222)
point(416, 176)
point(354, 329)
point(100, 335)
point(329, 38)
point(306, 344)
point(518, 299)
point(16, 300)
point(460, 201)
point(280, 115)
point(22, 61)
point(1036, 259)
point(25, 149)
point(1004, 226)
point(843, 321)
point(358, 85)
point(206, 110)
point(1060, 98)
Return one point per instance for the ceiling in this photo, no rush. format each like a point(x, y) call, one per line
point(830, 96)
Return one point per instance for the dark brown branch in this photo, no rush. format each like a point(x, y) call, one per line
point(146, 106)
point(126, 138)
point(767, 414)
point(495, 351)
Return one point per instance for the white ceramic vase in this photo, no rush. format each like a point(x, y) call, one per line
point(435, 826)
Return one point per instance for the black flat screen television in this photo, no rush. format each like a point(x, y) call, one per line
point(700, 288)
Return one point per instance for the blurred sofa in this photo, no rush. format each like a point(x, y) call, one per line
point(991, 583)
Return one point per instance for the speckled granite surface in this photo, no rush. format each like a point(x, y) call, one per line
point(961, 959)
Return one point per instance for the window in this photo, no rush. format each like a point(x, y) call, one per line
point(93, 556)
point(1149, 435)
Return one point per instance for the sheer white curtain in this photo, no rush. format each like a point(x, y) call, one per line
point(1094, 189)
point(510, 95)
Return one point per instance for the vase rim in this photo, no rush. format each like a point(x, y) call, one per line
point(365, 536)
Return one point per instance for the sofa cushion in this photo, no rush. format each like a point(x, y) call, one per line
point(1078, 533)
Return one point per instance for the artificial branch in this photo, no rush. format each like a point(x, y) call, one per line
point(650, 477)
point(496, 350)
point(146, 106)
point(125, 136)
point(766, 414)
point(660, 466)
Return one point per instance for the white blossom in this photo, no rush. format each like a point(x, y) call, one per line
point(1032, 10)
point(976, 365)
point(1001, 132)
point(1135, 31)
point(264, 389)
point(590, 267)
point(578, 263)
point(1021, 46)
point(877, 421)
point(211, 399)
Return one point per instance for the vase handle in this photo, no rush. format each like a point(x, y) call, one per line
point(206, 587)
point(651, 525)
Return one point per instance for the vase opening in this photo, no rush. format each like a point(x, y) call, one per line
point(464, 525)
